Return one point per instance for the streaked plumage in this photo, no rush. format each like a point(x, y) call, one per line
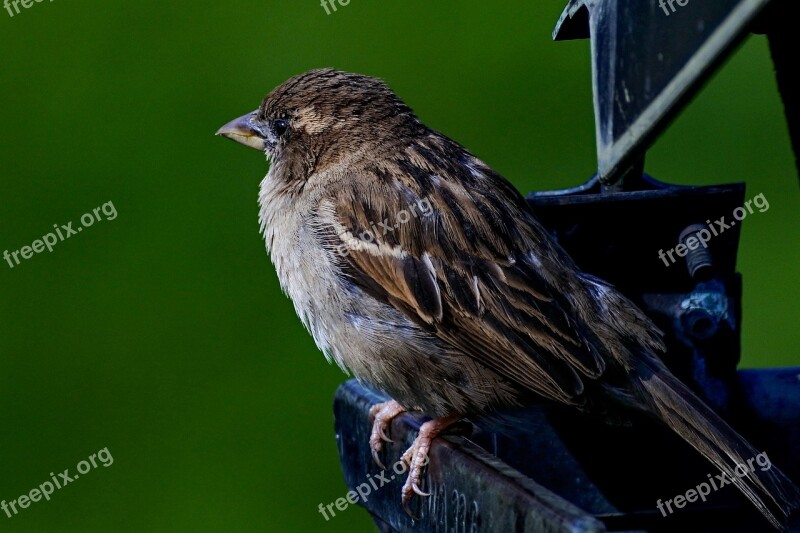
point(465, 308)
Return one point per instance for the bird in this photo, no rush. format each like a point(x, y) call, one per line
point(422, 271)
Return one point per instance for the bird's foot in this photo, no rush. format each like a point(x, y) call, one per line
point(382, 415)
point(416, 457)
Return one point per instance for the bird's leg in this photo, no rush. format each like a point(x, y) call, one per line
point(382, 415)
point(416, 457)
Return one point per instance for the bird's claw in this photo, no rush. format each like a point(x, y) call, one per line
point(382, 415)
point(411, 488)
point(415, 459)
point(419, 491)
point(376, 457)
point(384, 437)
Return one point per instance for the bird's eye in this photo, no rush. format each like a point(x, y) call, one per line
point(280, 126)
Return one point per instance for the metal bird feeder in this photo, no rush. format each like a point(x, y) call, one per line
point(560, 471)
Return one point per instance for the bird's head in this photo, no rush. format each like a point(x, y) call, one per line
point(320, 116)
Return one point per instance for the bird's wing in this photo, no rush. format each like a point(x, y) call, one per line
point(454, 247)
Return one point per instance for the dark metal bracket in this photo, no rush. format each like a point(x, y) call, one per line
point(650, 57)
point(562, 473)
point(628, 238)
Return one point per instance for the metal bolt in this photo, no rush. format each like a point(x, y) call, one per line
point(698, 259)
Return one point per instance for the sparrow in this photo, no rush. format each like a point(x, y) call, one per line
point(422, 271)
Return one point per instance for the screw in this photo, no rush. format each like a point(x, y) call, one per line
point(698, 259)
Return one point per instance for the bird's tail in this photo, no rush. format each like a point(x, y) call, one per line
point(672, 401)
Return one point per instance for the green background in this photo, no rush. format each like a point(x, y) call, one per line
point(163, 334)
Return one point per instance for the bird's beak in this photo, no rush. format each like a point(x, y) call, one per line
point(242, 131)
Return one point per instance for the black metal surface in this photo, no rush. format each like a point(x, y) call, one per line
point(648, 60)
point(779, 22)
point(617, 236)
point(614, 474)
point(471, 490)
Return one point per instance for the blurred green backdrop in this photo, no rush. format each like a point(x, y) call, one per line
point(163, 336)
